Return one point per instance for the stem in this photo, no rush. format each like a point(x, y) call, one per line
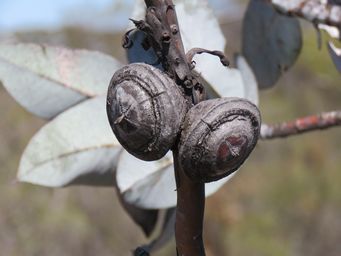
point(162, 20)
point(191, 53)
point(166, 39)
point(189, 214)
point(301, 125)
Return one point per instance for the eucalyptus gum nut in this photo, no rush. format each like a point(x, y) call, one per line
point(145, 109)
point(218, 135)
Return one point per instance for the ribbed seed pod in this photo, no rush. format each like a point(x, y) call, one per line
point(217, 137)
point(145, 110)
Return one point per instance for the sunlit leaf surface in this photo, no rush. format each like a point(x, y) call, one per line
point(271, 42)
point(332, 31)
point(47, 80)
point(77, 147)
point(194, 18)
point(249, 80)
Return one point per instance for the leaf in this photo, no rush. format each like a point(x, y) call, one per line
point(249, 80)
point(336, 2)
point(194, 17)
point(335, 54)
point(167, 232)
point(151, 185)
point(77, 147)
point(271, 42)
point(241, 81)
point(137, 53)
point(232, 84)
point(47, 80)
point(146, 219)
point(137, 181)
point(332, 31)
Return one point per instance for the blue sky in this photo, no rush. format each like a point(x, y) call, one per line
point(19, 14)
point(44, 14)
point(27, 14)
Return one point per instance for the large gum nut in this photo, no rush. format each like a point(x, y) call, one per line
point(145, 110)
point(218, 136)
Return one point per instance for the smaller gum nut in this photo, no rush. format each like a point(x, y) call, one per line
point(218, 136)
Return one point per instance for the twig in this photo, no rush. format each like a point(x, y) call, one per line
point(191, 53)
point(162, 28)
point(314, 11)
point(301, 125)
point(189, 214)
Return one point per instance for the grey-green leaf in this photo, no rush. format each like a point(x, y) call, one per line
point(77, 147)
point(166, 233)
point(335, 54)
point(136, 52)
point(144, 218)
point(271, 42)
point(47, 80)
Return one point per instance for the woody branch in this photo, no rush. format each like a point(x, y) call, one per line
point(301, 125)
point(315, 11)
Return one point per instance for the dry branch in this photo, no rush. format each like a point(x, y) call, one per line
point(315, 11)
point(301, 125)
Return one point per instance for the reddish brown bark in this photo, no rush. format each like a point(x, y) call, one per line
point(301, 125)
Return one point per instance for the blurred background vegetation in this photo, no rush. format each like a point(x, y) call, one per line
point(286, 200)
